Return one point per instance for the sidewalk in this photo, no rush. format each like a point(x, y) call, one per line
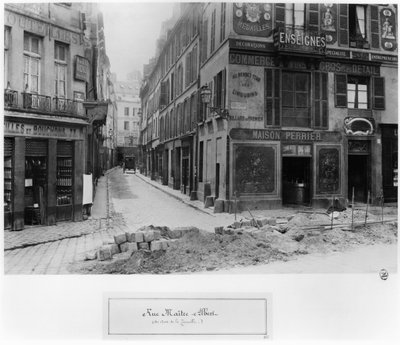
point(99, 221)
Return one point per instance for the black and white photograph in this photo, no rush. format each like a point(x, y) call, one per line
point(245, 149)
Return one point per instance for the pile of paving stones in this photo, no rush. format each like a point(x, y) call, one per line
point(254, 226)
point(148, 238)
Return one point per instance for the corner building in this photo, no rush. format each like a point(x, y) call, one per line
point(303, 107)
point(50, 138)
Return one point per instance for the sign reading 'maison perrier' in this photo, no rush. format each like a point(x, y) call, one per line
point(283, 135)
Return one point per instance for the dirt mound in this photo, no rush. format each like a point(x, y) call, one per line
point(203, 251)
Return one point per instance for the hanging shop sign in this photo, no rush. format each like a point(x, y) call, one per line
point(252, 19)
point(266, 134)
point(359, 126)
point(292, 40)
point(329, 22)
point(43, 131)
point(359, 69)
point(82, 68)
point(388, 29)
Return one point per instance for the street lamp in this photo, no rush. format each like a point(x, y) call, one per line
point(205, 94)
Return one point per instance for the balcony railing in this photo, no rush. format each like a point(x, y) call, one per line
point(11, 98)
point(36, 101)
point(41, 103)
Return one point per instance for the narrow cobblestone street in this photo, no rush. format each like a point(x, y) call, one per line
point(132, 203)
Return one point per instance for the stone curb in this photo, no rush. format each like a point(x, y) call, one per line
point(175, 196)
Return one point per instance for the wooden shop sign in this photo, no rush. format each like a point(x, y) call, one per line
point(283, 135)
point(43, 131)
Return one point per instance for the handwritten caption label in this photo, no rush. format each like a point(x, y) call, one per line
point(179, 317)
point(175, 316)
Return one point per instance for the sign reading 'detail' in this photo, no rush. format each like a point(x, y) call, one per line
point(284, 135)
point(299, 40)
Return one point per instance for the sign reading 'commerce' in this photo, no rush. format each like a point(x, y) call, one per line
point(266, 134)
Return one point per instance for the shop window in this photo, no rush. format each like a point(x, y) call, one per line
point(32, 50)
point(126, 111)
point(60, 64)
point(357, 25)
point(295, 99)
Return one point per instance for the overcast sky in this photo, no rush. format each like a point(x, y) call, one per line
point(131, 31)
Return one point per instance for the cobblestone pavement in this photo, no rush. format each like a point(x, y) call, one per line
point(130, 200)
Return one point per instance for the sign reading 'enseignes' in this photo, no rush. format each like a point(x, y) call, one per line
point(47, 131)
point(82, 68)
point(299, 40)
point(284, 135)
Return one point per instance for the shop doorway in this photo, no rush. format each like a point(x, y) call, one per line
point(296, 177)
point(358, 167)
point(35, 190)
point(185, 175)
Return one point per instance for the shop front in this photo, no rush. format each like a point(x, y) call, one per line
point(389, 161)
point(272, 168)
point(43, 172)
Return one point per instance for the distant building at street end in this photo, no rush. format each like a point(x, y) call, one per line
point(57, 107)
point(275, 104)
point(129, 112)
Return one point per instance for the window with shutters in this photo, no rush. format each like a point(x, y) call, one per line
point(272, 97)
point(60, 64)
point(223, 20)
point(126, 125)
point(359, 92)
point(212, 41)
point(295, 15)
point(7, 34)
point(219, 89)
point(32, 56)
point(126, 111)
point(320, 100)
point(204, 42)
point(358, 25)
point(296, 99)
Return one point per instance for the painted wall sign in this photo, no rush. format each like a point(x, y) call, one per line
point(252, 19)
point(338, 53)
point(250, 45)
point(329, 22)
point(284, 135)
point(300, 41)
point(338, 67)
point(359, 126)
point(251, 60)
point(46, 131)
point(360, 55)
point(42, 28)
point(243, 84)
point(82, 68)
point(388, 29)
point(328, 174)
point(384, 58)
